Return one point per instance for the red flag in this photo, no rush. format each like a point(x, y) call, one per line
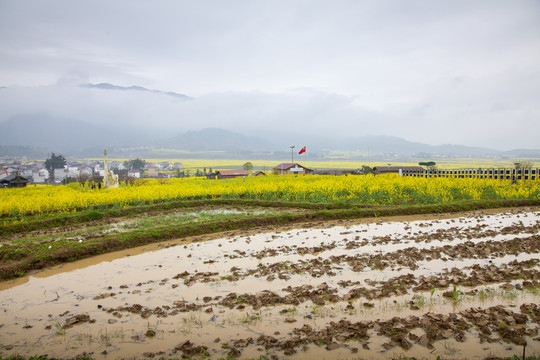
point(302, 151)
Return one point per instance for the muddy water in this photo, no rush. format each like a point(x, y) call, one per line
point(149, 301)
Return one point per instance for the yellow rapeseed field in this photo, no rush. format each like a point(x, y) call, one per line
point(369, 189)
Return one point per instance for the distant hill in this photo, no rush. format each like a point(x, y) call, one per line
point(391, 144)
point(214, 139)
point(19, 151)
point(66, 135)
point(34, 134)
point(375, 144)
point(107, 86)
point(522, 153)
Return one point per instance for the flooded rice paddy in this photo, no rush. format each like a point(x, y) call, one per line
point(455, 287)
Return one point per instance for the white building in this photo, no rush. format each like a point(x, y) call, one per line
point(60, 174)
point(73, 171)
point(40, 176)
point(134, 173)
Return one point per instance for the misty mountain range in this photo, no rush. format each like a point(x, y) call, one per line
point(37, 134)
point(31, 135)
point(107, 86)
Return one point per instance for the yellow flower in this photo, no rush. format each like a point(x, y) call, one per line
point(369, 189)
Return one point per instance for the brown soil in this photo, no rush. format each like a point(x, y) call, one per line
point(449, 286)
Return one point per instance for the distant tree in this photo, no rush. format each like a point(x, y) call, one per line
point(94, 180)
point(121, 173)
point(248, 166)
point(427, 164)
point(162, 181)
point(83, 178)
point(68, 180)
point(367, 170)
point(139, 182)
point(136, 164)
point(54, 162)
point(523, 164)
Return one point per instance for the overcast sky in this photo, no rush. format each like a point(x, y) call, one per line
point(462, 72)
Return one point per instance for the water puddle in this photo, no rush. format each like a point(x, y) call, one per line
point(459, 287)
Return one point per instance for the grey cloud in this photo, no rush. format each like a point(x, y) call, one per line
point(416, 69)
point(299, 113)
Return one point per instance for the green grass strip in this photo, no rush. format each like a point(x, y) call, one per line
point(18, 260)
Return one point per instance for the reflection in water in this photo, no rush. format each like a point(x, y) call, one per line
point(195, 271)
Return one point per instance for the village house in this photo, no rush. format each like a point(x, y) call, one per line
point(10, 170)
point(227, 174)
point(40, 176)
point(60, 174)
point(25, 171)
point(97, 167)
point(73, 171)
point(116, 165)
point(258, 173)
point(165, 166)
point(14, 181)
point(291, 168)
point(153, 171)
point(3, 173)
point(134, 174)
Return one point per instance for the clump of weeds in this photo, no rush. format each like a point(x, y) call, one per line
point(60, 330)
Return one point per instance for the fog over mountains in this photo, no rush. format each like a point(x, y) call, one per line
point(40, 134)
point(130, 121)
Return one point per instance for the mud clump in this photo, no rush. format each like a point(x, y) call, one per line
point(189, 350)
point(77, 319)
point(508, 324)
point(399, 330)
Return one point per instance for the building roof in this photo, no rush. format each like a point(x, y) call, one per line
point(287, 166)
point(233, 172)
point(12, 177)
point(396, 169)
point(257, 173)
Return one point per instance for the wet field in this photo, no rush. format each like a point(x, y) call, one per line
point(458, 286)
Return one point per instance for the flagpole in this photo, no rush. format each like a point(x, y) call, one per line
point(304, 151)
